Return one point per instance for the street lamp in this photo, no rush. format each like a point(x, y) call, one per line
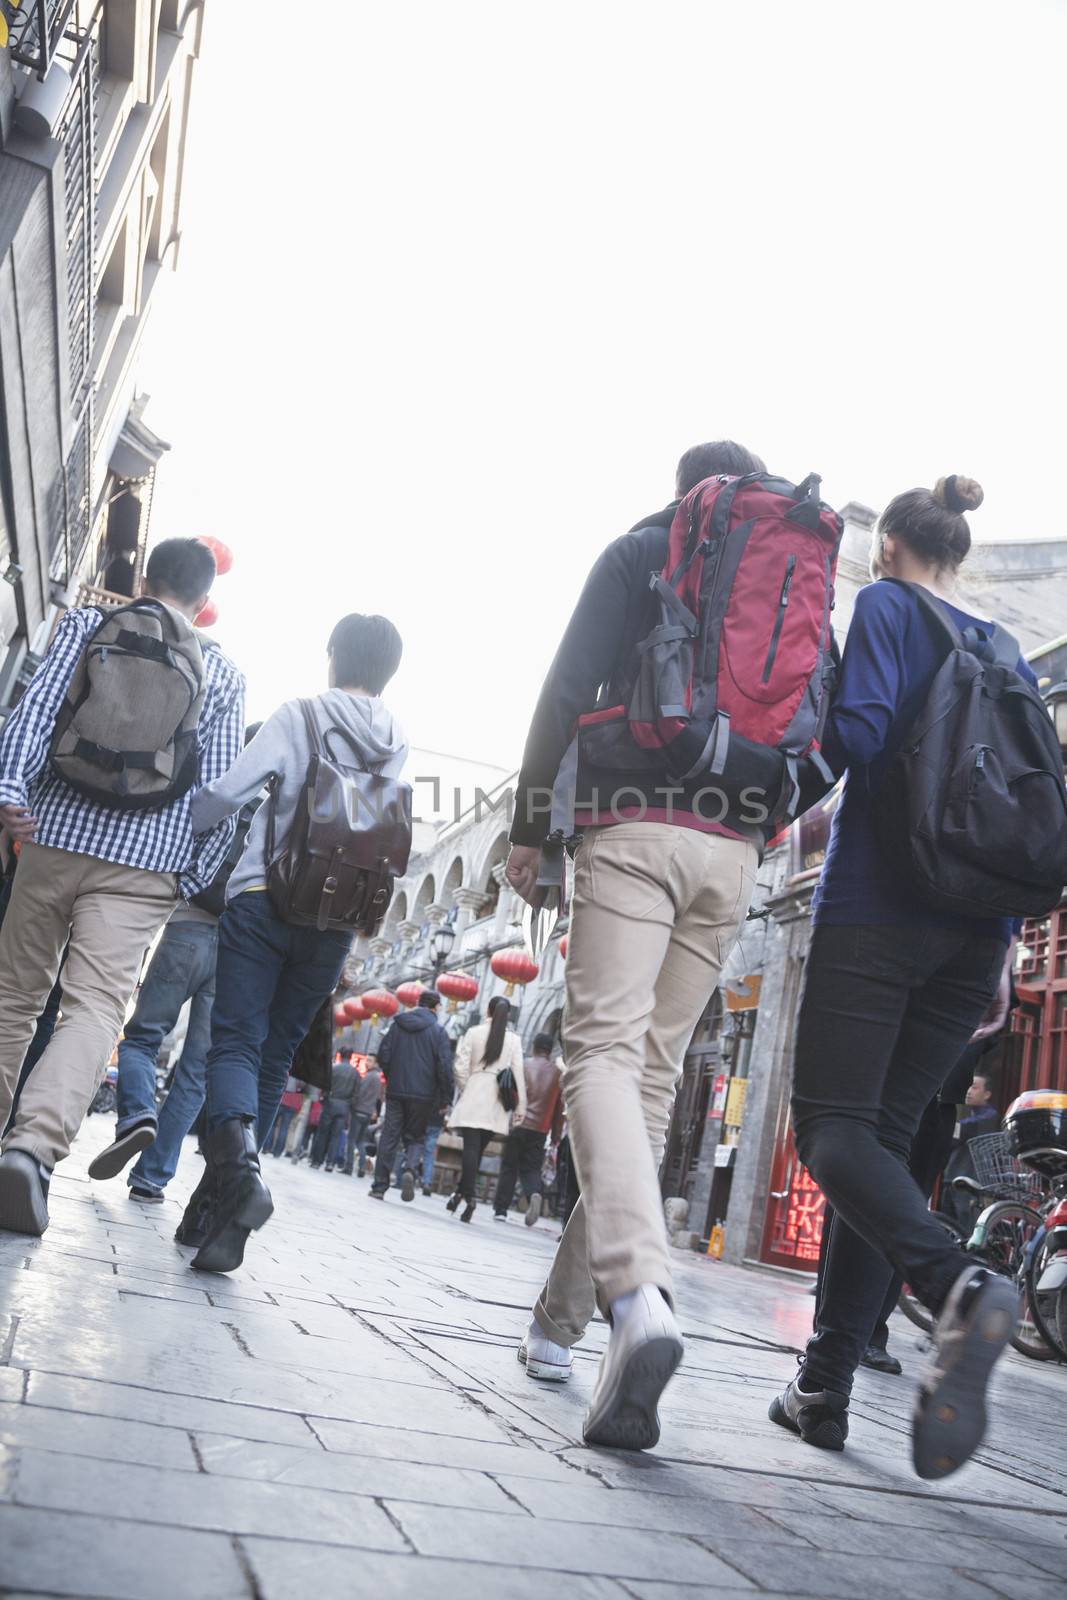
point(1056, 700)
point(442, 939)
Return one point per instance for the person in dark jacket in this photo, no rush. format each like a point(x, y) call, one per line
point(336, 1113)
point(524, 1151)
point(365, 1103)
point(415, 1058)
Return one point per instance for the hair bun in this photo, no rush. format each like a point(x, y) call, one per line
point(958, 494)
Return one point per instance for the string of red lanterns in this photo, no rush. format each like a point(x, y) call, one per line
point(209, 615)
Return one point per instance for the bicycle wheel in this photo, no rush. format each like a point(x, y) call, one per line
point(1048, 1311)
point(1007, 1229)
point(914, 1309)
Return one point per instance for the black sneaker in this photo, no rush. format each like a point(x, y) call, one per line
point(975, 1324)
point(407, 1186)
point(23, 1193)
point(375, 1194)
point(426, 1189)
point(880, 1360)
point(820, 1418)
point(121, 1151)
point(146, 1196)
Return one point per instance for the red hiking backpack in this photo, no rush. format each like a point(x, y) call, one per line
point(742, 653)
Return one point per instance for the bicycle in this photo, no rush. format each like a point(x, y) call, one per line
point(1002, 1236)
point(1036, 1126)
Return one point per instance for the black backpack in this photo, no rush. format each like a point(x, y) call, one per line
point(973, 809)
point(213, 898)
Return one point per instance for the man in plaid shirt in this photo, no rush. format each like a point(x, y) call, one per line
point(96, 880)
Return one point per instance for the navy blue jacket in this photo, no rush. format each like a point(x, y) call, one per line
point(416, 1058)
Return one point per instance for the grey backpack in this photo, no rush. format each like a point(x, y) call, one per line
point(126, 733)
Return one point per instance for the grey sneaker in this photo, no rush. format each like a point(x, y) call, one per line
point(975, 1324)
point(819, 1416)
point(533, 1210)
point(23, 1193)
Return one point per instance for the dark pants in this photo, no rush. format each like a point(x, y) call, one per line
point(885, 1015)
point(404, 1124)
point(271, 980)
point(357, 1142)
point(331, 1130)
point(275, 1144)
point(524, 1154)
point(474, 1143)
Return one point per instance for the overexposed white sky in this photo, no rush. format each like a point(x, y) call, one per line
point(457, 288)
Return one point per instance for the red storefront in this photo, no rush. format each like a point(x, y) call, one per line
point(1035, 1054)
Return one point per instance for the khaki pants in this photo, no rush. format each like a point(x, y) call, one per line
point(656, 911)
point(110, 914)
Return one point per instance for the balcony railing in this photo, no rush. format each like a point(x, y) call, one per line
point(37, 29)
point(78, 135)
point(72, 503)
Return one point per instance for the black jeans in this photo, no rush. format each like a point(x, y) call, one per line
point(524, 1153)
point(886, 1014)
point(328, 1134)
point(474, 1143)
point(405, 1123)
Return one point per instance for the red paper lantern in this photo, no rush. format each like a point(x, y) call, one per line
point(380, 1003)
point(354, 1012)
point(208, 617)
point(408, 994)
point(456, 987)
point(563, 947)
point(514, 966)
point(222, 553)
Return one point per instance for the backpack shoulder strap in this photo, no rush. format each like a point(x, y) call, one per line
point(315, 739)
point(932, 609)
point(1006, 650)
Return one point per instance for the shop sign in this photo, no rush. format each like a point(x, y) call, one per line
point(718, 1095)
point(801, 1234)
point(742, 994)
point(735, 1102)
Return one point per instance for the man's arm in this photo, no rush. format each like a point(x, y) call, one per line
point(446, 1083)
point(222, 738)
point(587, 654)
point(385, 1053)
point(27, 733)
point(233, 786)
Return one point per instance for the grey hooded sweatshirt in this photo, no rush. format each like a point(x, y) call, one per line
point(281, 746)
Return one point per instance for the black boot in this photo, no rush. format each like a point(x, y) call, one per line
point(468, 1211)
point(192, 1230)
point(455, 1202)
point(243, 1200)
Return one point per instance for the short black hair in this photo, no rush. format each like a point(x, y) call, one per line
point(430, 999)
point(346, 1054)
point(707, 460)
point(543, 1044)
point(366, 652)
point(184, 569)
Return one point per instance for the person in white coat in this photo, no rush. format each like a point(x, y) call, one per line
point(479, 1113)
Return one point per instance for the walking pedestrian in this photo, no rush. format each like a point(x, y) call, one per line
point(524, 1149)
point(894, 989)
point(481, 1113)
point(365, 1104)
point(415, 1060)
point(663, 877)
point(274, 974)
point(127, 717)
point(336, 1114)
point(292, 1101)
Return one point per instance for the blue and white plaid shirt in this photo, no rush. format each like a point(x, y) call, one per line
point(158, 841)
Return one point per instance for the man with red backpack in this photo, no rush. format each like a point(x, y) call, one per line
point(674, 730)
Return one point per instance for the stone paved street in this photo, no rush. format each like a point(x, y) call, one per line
point(346, 1416)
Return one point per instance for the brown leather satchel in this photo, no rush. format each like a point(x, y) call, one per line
point(350, 840)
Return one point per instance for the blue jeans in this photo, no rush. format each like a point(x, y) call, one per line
point(183, 968)
point(272, 978)
point(275, 1145)
point(433, 1133)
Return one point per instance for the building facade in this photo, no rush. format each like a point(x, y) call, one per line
point(94, 102)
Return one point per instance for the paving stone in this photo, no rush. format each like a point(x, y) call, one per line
point(561, 1546)
point(440, 1449)
point(1021, 1585)
point(104, 1438)
point(103, 1557)
point(629, 1508)
point(316, 1468)
point(283, 1570)
point(12, 1384)
point(172, 1410)
point(191, 1500)
point(845, 1577)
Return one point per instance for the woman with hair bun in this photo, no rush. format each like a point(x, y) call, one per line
point(894, 989)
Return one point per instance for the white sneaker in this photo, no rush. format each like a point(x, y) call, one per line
point(543, 1359)
point(643, 1354)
